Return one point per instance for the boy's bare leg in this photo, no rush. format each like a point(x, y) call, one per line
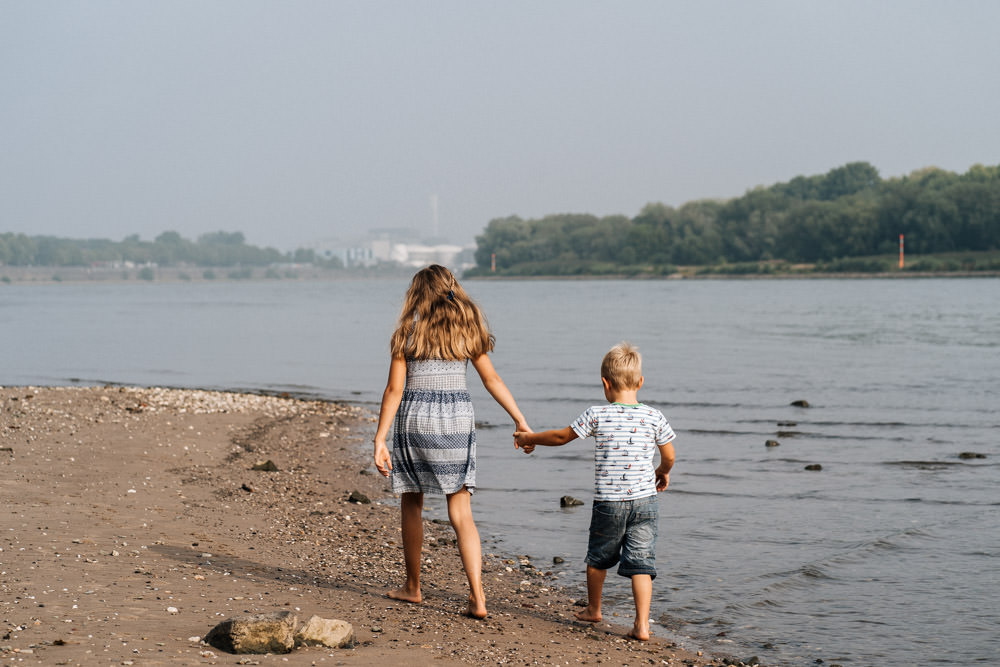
point(469, 548)
point(595, 588)
point(642, 592)
point(411, 509)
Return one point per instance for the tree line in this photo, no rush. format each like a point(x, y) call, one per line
point(216, 249)
point(831, 220)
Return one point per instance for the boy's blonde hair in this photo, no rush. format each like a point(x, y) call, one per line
point(622, 366)
point(439, 320)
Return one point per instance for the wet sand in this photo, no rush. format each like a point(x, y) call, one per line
point(133, 523)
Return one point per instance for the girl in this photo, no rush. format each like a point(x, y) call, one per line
point(440, 330)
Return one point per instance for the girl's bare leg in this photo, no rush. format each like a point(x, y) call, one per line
point(470, 549)
point(411, 509)
point(642, 592)
point(595, 588)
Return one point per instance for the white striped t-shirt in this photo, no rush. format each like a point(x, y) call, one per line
point(627, 437)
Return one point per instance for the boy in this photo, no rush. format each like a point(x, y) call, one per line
point(623, 522)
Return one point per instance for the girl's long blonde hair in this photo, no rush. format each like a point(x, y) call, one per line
point(439, 320)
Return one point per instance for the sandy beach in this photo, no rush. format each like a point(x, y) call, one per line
point(134, 523)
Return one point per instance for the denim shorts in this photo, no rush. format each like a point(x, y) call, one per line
point(624, 531)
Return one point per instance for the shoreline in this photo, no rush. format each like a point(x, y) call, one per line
point(136, 524)
point(187, 276)
point(923, 275)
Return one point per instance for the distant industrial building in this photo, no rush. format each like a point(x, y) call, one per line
point(401, 246)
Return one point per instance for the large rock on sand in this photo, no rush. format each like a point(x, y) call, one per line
point(325, 632)
point(259, 633)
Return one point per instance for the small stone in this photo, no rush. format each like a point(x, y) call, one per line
point(247, 488)
point(376, 628)
point(172, 610)
point(772, 443)
point(800, 404)
point(358, 498)
point(556, 560)
point(569, 501)
point(971, 455)
point(265, 466)
point(814, 466)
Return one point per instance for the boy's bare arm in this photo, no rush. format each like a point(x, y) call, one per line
point(667, 457)
point(554, 438)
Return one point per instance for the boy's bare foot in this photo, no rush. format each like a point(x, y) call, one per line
point(587, 615)
point(477, 608)
point(405, 595)
point(641, 634)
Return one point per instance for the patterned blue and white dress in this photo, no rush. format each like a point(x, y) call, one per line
point(434, 440)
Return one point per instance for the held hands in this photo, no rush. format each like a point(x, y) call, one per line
point(521, 440)
point(521, 431)
point(383, 460)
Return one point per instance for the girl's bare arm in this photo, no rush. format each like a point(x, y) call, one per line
point(391, 398)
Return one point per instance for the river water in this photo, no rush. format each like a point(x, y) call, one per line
point(886, 556)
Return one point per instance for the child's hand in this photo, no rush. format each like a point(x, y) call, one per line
point(662, 480)
point(521, 440)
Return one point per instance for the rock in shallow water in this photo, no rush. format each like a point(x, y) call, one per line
point(569, 501)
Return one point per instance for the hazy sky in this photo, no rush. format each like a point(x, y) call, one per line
point(293, 121)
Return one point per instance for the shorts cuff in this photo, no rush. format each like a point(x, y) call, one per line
point(600, 566)
point(631, 572)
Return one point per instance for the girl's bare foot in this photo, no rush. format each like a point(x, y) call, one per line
point(587, 615)
point(477, 608)
point(642, 634)
point(405, 595)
